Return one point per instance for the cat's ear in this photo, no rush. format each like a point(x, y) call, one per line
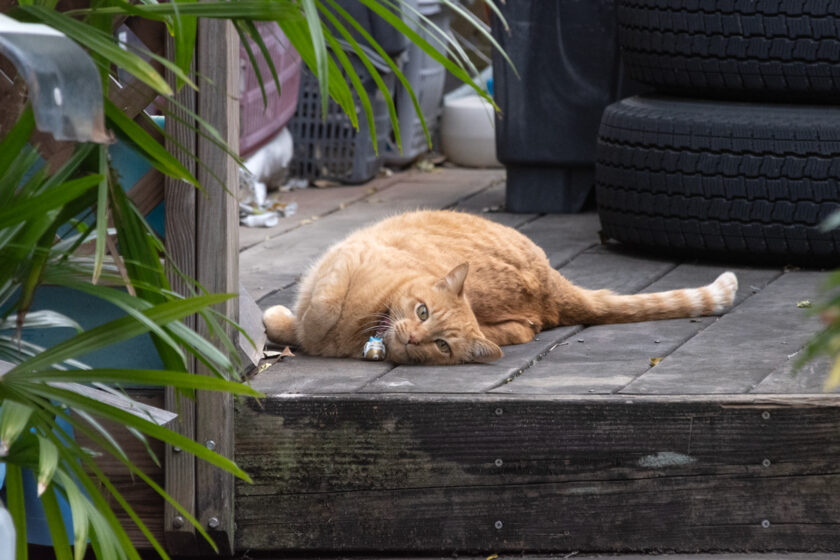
point(482, 351)
point(454, 281)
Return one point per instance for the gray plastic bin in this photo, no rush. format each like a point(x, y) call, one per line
point(426, 77)
point(330, 148)
point(392, 41)
point(569, 67)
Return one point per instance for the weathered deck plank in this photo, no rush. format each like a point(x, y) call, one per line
point(316, 203)
point(743, 346)
point(786, 380)
point(490, 203)
point(432, 473)
point(314, 376)
point(563, 236)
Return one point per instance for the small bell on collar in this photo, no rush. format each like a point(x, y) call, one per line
point(374, 349)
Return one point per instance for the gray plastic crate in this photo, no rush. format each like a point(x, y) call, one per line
point(426, 77)
point(330, 148)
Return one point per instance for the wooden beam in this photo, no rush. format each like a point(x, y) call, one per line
point(217, 258)
point(446, 473)
point(148, 191)
point(180, 224)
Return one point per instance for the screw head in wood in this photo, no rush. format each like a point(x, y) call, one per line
point(765, 463)
point(213, 522)
point(210, 444)
point(498, 412)
point(498, 462)
point(765, 523)
point(176, 449)
point(178, 522)
point(765, 415)
point(498, 525)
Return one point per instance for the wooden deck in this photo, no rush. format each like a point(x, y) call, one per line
point(573, 442)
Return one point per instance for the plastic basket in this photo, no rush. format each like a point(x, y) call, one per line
point(260, 122)
point(330, 148)
point(426, 77)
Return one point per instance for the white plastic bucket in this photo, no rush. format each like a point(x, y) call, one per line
point(468, 132)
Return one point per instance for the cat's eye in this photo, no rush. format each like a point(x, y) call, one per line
point(443, 346)
point(422, 312)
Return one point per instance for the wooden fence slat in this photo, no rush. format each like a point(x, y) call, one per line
point(180, 226)
point(217, 258)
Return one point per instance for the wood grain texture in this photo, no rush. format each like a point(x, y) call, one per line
point(436, 473)
point(740, 349)
point(145, 502)
point(180, 236)
point(787, 378)
point(315, 203)
point(217, 258)
point(148, 191)
point(490, 203)
point(313, 375)
point(250, 320)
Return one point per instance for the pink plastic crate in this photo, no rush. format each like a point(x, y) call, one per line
point(259, 123)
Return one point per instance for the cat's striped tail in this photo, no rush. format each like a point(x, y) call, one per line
point(712, 299)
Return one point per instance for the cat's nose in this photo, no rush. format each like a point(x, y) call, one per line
point(413, 339)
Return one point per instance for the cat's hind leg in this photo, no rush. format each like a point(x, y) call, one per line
point(510, 332)
point(280, 325)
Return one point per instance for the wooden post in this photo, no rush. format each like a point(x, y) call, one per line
point(217, 257)
point(181, 222)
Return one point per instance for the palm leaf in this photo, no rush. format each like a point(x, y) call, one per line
point(157, 154)
point(15, 503)
point(39, 205)
point(116, 331)
point(55, 523)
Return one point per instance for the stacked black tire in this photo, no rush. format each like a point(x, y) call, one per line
point(739, 156)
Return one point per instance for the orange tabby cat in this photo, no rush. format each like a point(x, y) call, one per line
point(443, 287)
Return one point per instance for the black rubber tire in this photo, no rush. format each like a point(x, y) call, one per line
point(726, 179)
point(734, 49)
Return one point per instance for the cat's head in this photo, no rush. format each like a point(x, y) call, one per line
point(432, 323)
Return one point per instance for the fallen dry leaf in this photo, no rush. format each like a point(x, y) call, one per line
point(655, 361)
point(804, 304)
point(492, 557)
